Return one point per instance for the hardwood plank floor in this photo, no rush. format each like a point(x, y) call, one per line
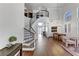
point(47, 47)
point(27, 53)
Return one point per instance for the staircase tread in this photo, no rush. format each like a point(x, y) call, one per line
point(29, 41)
point(28, 38)
point(31, 46)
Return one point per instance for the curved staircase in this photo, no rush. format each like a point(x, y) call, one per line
point(29, 41)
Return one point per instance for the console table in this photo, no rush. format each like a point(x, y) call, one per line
point(11, 51)
point(57, 36)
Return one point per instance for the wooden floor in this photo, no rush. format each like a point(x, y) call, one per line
point(27, 53)
point(47, 47)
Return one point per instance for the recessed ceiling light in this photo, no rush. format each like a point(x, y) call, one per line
point(40, 24)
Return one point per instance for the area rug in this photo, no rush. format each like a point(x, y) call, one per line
point(71, 50)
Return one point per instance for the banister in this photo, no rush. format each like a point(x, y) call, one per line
point(29, 30)
point(33, 29)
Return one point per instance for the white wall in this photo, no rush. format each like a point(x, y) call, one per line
point(74, 20)
point(26, 22)
point(57, 23)
point(11, 22)
point(55, 17)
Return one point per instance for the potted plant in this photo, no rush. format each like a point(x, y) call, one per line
point(12, 40)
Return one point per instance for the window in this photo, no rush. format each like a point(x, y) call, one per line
point(78, 12)
point(67, 15)
point(69, 28)
point(65, 28)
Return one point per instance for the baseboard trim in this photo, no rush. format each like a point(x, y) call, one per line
point(28, 49)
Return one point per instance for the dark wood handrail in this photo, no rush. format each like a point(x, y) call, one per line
point(29, 30)
point(33, 29)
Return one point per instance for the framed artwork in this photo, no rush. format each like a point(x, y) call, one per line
point(30, 15)
point(25, 14)
point(54, 29)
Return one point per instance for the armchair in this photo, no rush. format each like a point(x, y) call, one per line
point(68, 40)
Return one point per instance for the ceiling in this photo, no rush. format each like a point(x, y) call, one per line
point(55, 9)
point(47, 5)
